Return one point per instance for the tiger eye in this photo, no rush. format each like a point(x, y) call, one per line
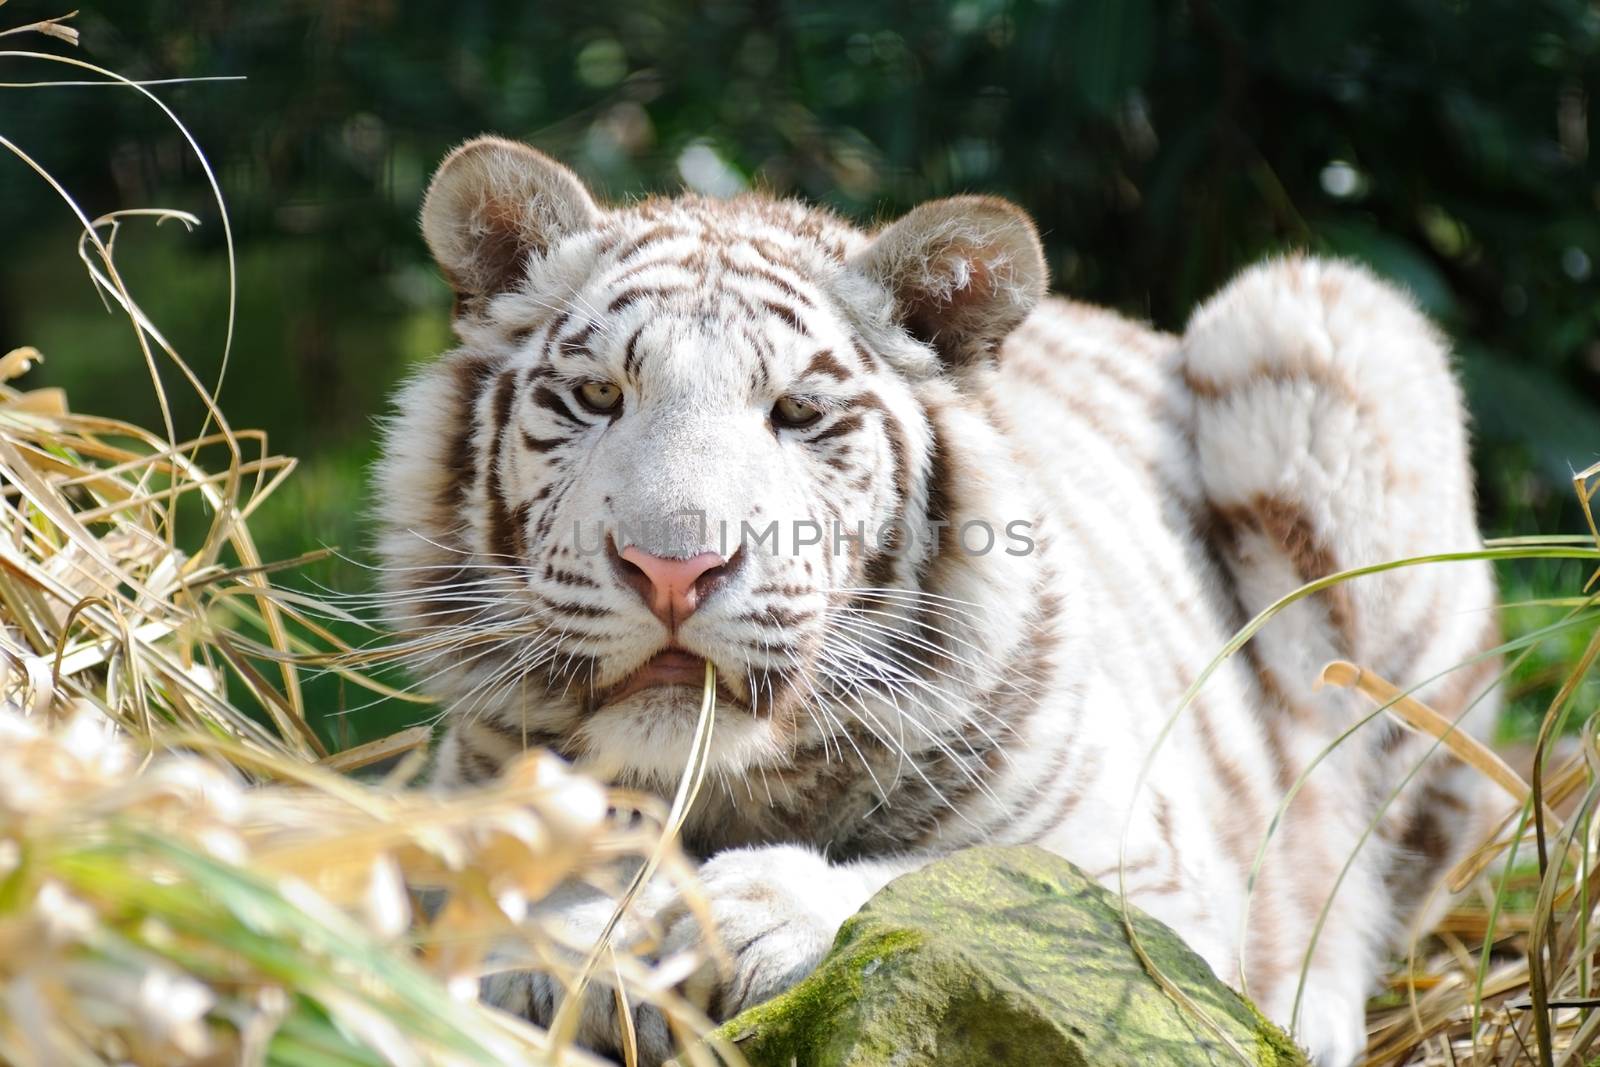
point(795, 413)
point(602, 398)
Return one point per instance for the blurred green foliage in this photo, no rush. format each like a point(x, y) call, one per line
point(1160, 145)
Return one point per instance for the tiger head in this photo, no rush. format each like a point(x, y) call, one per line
point(689, 430)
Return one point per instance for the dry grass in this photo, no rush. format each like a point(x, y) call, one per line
point(1510, 975)
point(169, 914)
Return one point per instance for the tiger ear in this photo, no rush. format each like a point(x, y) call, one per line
point(964, 272)
point(494, 204)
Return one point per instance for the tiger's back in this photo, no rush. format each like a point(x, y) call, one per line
point(1213, 473)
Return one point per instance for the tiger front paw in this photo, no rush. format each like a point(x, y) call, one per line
point(775, 910)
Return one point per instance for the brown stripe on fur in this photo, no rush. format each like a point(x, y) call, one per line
point(1433, 833)
point(1239, 836)
point(1029, 825)
point(1028, 675)
point(1285, 523)
point(788, 315)
point(1024, 680)
point(898, 450)
point(868, 358)
point(1089, 411)
point(1328, 377)
point(765, 247)
point(1426, 835)
point(771, 277)
point(1164, 823)
point(1107, 370)
point(1087, 772)
point(645, 239)
point(1273, 692)
point(627, 275)
point(940, 510)
point(761, 377)
point(825, 362)
point(846, 425)
point(1202, 524)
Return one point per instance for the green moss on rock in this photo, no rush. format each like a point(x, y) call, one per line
point(1002, 956)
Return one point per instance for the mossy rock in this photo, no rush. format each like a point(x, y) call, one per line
point(1003, 956)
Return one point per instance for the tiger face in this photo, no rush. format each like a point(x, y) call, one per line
point(689, 431)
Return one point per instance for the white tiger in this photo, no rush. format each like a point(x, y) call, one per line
point(567, 500)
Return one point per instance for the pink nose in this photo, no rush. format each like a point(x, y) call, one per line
point(673, 588)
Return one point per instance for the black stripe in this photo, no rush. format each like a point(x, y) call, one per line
point(642, 292)
point(577, 344)
point(556, 404)
point(563, 577)
point(541, 444)
point(547, 518)
point(848, 424)
point(631, 357)
point(940, 505)
point(471, 377)
point(474, 764)
point(880, 566)
point(505, 535)
point(574, 609)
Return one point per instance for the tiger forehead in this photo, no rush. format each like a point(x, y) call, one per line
point(734, 288)
point(776, 250)
point(782, 231)
point(709, 346)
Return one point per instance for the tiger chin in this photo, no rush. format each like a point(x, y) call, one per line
point(1039, 523)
